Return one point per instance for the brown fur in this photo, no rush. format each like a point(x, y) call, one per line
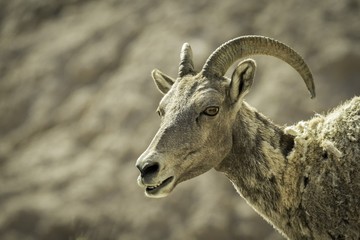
point(305, 180)
point(311, 193)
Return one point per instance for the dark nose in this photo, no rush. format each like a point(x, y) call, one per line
point(149, 168)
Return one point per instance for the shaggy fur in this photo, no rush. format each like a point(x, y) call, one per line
point(304, 180)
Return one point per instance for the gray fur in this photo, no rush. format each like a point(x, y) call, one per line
point(304, 180)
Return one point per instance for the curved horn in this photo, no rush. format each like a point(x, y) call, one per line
point(224, 56)
point(186, 63)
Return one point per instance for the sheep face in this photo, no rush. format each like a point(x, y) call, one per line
point(197, 114)
point(198, 111)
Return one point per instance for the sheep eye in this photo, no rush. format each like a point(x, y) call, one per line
point(160, 112)
point(211, 111)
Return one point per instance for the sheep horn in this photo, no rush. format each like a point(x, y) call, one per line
point(224, 56)
point(186, 63)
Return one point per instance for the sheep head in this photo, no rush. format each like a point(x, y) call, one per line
point(198, 111)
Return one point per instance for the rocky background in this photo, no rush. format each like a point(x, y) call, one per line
point(77, 107)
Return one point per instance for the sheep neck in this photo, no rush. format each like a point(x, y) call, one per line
point(257, 164)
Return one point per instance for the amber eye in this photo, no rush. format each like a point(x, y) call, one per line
point(160, 112)
point(211, 111)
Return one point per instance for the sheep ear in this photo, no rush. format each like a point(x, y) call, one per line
point(242, 79)
point(162, 81)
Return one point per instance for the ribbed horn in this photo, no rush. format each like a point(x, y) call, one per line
point(186, 63)
point(224, 56)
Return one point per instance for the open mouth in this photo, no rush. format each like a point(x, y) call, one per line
point(155, 188)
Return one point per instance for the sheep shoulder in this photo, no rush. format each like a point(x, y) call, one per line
point(327, 150)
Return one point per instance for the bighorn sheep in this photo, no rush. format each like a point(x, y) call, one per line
point(303, 179)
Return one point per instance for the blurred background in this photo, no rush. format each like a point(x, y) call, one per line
point(77, 107)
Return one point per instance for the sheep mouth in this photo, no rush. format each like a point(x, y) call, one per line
point(152, 190)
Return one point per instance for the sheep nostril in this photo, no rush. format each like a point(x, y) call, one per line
point(149, 168)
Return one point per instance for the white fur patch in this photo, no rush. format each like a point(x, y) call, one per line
point(330, 147)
